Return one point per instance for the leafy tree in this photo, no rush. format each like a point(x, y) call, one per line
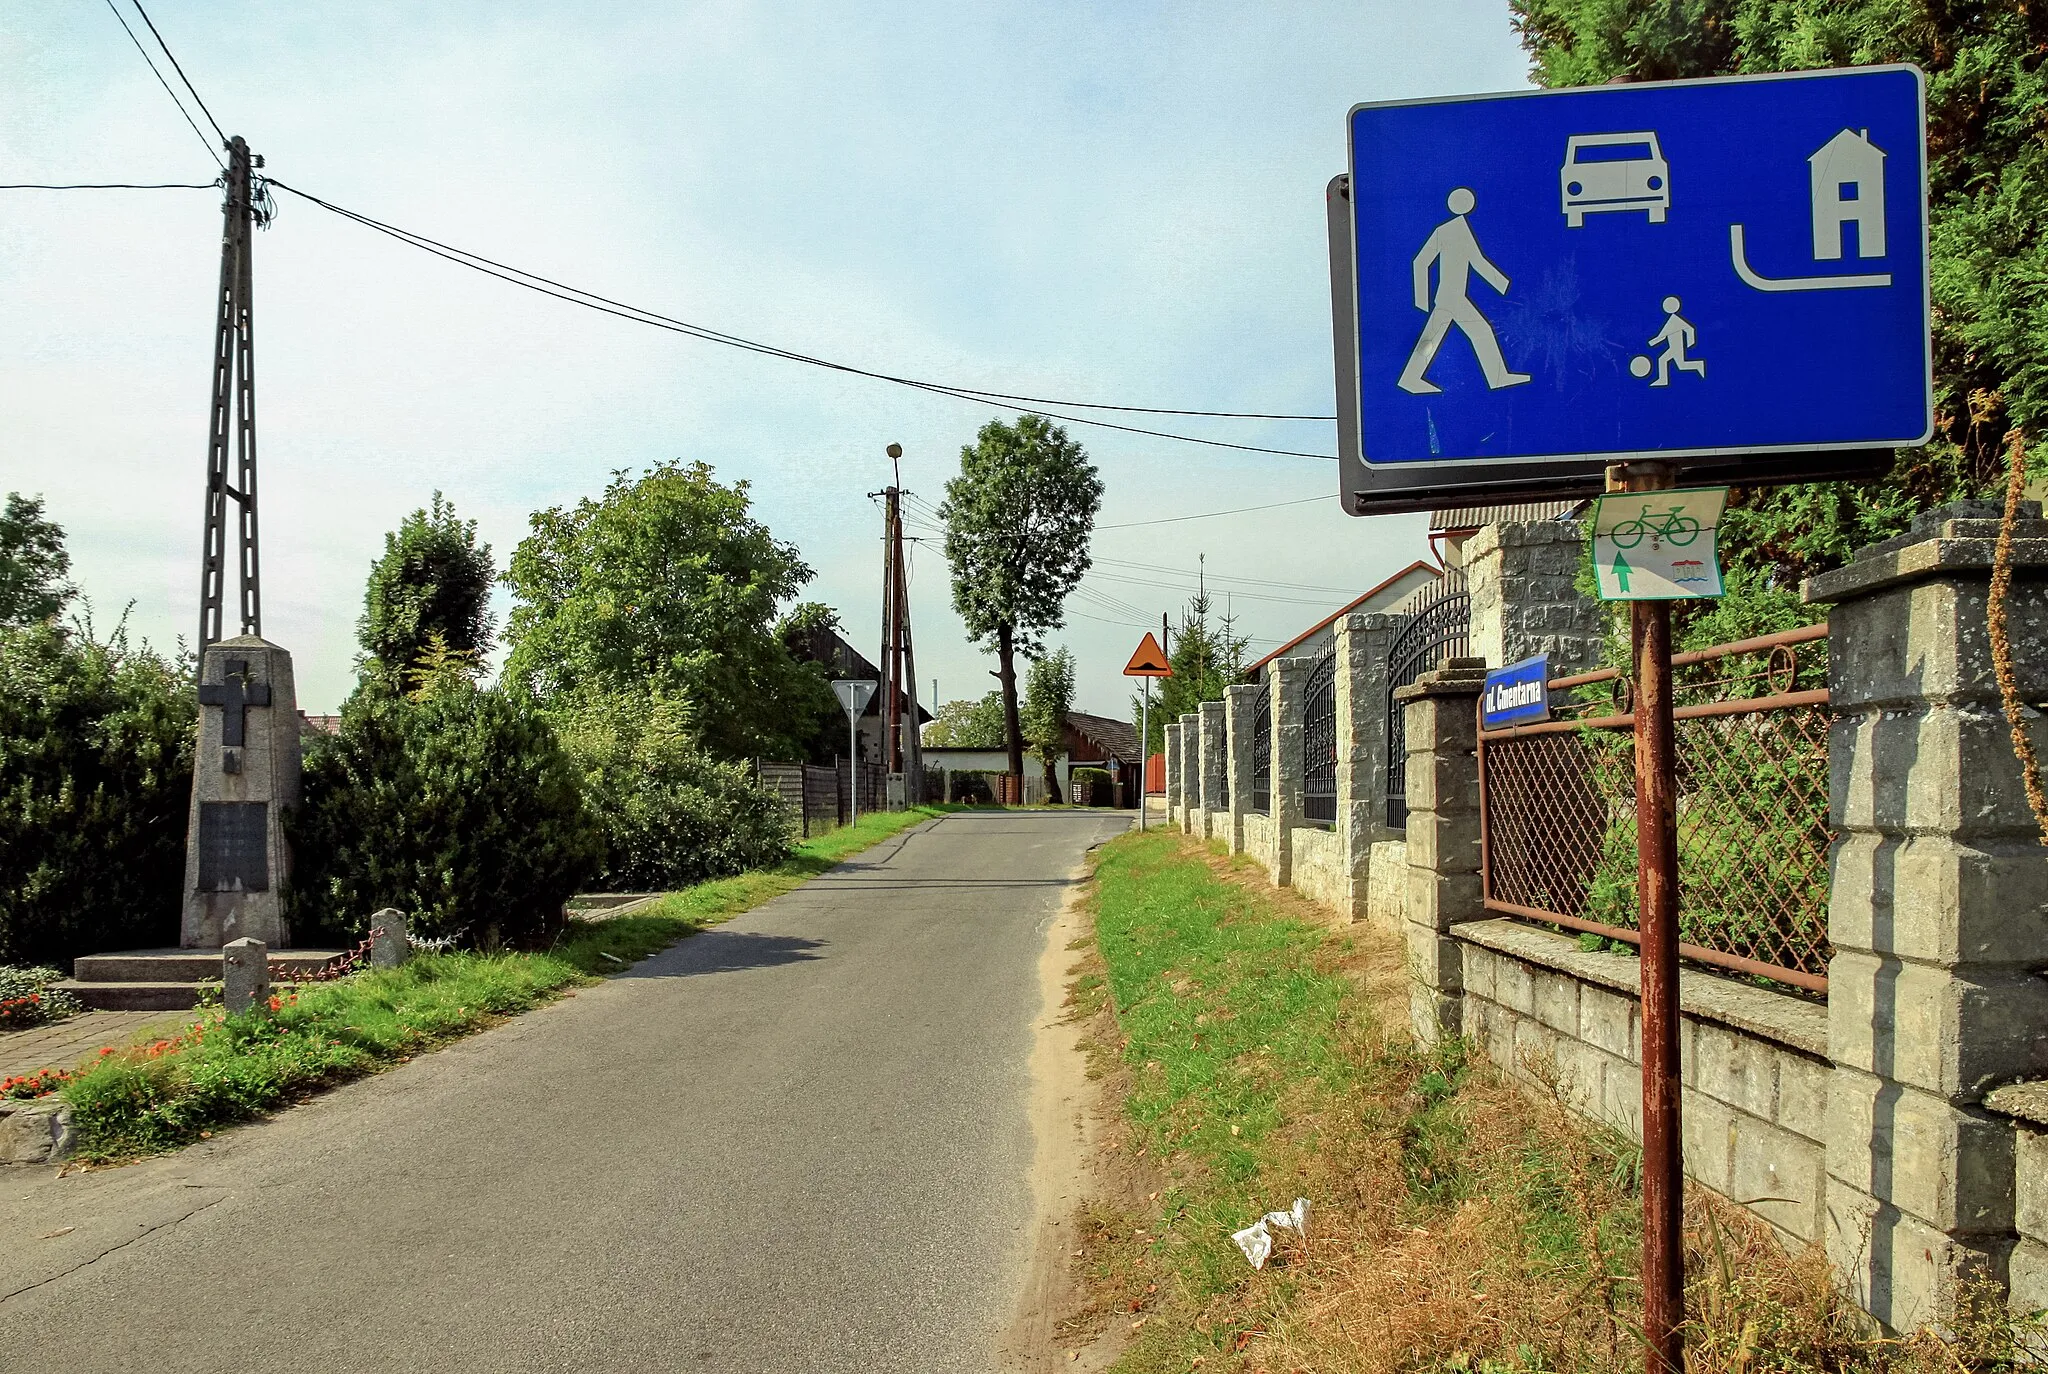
point(461, 809)
point(1018, 520)
point(428, 593)
point(666, 583)
point(968, 724)
point(33, 562)
point(1048, 697)
point(95, 782)
point(1205, 659)
point(1988, 177)
point(672, 815)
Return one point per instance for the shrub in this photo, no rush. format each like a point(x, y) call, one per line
point(460, 809)
point(95, 787)
point(27, 999)
point(671, 814)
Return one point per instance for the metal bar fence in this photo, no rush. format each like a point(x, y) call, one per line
point(1319, 742)
point(1440, 629)
point(1557, 809)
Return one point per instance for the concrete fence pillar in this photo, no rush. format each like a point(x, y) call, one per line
point(1362, 747)
point(244, 975)
point(1442, 728)
point(1523, 580)
point(1239, 703)
point(1290, 687)
point(1937, 908)
point(1170, 750)
point(1212, 752)
point(1191, 773)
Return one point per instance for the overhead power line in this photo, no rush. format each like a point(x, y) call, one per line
point(178, 69)
point(1210, 514)
point(110, 186)
point(574, 295)
point(196, 131)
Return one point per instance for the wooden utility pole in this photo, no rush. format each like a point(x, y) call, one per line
point(234, 409)
point(901, 750)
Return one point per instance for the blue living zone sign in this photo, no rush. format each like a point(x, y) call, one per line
point(1517, 694)
point(1673, 269)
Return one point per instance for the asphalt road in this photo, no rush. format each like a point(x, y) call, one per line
point(798, 1141)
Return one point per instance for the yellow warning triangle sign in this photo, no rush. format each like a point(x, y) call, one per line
point(1149, 661)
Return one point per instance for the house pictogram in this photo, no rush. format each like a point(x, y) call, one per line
point(1848, 188)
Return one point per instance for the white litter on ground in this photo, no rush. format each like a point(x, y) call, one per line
point(1256, 1240)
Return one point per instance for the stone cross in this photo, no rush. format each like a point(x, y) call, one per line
point(234, 696)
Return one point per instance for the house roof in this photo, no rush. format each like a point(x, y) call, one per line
point(1117, 738)
point(1472, 517)
point(829, 649)
point(1252, 670)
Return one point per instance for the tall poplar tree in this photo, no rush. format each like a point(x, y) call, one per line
point(1018, 521)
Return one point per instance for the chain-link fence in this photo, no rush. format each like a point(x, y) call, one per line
point(1558, 808)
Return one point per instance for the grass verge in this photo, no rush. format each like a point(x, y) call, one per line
point(1463, 1222)
point(224, 1069)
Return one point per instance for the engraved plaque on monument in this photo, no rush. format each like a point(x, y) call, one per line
point(245, 775)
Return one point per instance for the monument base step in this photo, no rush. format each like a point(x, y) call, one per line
point(173, 979)
point(191, 965)
point(138, 996)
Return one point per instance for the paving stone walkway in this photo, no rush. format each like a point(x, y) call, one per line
point(64, 1044)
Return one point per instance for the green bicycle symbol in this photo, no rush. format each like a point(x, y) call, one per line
point(1674, 526)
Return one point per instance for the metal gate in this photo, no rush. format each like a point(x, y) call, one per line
point(1440, 629)
point(1262, 747)
point(1319, 742)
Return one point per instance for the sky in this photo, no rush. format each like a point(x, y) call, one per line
point(1114, 202)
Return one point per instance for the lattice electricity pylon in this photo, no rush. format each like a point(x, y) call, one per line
point(234, 408)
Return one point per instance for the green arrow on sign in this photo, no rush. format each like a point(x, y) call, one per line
point(1621, 570)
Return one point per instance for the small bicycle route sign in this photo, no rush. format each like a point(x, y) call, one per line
point(1658, 545)
point(1706, 270)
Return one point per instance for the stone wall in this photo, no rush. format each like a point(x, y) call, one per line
point(1259, 838)
point(1523, 579)
point(1754, 1063)
point(1320, 870)
point(1386, 900)
point(2027, 1105)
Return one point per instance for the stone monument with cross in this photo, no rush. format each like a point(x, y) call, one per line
point(245, 776)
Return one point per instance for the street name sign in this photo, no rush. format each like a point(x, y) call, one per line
point(1149, 660)
point(1518, 694)
point(1729, 275)
point(1658, 545)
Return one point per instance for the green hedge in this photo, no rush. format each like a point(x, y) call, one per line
point(95, 787)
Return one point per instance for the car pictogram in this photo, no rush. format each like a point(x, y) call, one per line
point(1614, 172)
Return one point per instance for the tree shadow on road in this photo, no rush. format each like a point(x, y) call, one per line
point(725, 951)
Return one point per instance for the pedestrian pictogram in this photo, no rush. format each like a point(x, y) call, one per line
point(1149, 660)
point(1677, 335)
point(1453, 249)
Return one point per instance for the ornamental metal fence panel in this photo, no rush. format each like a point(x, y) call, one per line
point(1319, 742)
point(1440, 629)
point(1558, 809)
point(1262, 747)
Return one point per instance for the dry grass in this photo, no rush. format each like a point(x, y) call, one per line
point(1465, 1221)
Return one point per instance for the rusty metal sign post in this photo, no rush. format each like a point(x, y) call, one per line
point(1657, 897)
